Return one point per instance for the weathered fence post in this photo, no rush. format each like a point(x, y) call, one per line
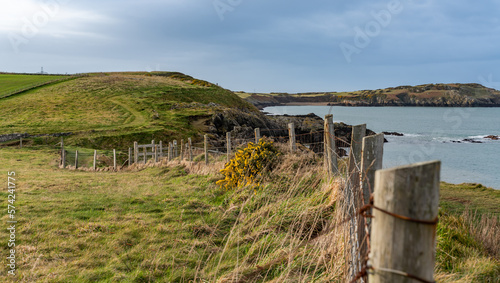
point(190, 150)
point(63, 154)
point(156, 153)
point(182, 149)
point(206, 149)
point(331, 150)
point(291, 135)
point(136, 152)
point(169, 151)
point(21, 142)
point(114, 159)
point(145, 150)
point(228, 145)
point(371, 160)
point(402, 247)
point(161, 149)
point(352, 196)
point(76, 159)
point(357, 135)
point(257, 135)
point(95, 160)
point(129, 156)
point(175, 149)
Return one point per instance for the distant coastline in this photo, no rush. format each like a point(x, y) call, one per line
point(430, 95)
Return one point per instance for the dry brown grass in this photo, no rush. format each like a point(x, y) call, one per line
point(486, 230)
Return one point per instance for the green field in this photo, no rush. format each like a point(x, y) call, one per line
point(13, 82)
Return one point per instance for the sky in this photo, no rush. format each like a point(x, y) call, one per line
point(260, 45)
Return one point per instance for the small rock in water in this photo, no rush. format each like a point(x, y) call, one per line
point(492, 137)
point(472, 141)
point(393, 134)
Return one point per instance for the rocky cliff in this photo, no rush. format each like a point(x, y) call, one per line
point(444, 95)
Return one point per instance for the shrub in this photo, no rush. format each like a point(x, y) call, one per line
point(201, 83)
point(248, 164)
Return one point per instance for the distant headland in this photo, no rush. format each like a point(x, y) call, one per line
point(440, 95)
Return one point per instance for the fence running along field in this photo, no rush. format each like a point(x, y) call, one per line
point(375, 202)
point(33, 86)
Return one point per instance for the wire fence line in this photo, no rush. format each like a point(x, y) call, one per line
point(373, 201)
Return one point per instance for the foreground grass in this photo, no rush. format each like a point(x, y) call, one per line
point(123, 227)
point(172, 224)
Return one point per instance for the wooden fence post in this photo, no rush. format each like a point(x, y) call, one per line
point(129, 156)
point(357, 135)
point(175, 149)
point(352, 196)
point(136, 152)
point(95, 160)
point(170, 151)
point(190, 150)
point(353, 170)
point(145, 150)
point(182, 149)
point(228, 146)
point(76, 159)
point(291, 135)
point(257, 135)
point(63, 157)
point(161, 149)
point(400, 246)
point(206, 149)
point(371, 160)
point(21, 142)
point(156, 153)
point(331, 150)
point(114, 159)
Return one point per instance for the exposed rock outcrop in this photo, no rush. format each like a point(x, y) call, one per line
point(308, 128)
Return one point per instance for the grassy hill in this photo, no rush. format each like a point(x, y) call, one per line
point(422, 95)
point(110, 108)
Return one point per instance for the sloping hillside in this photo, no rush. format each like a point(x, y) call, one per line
point(101, 107)
point(458, 95)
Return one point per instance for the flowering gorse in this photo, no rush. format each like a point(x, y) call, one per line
point(248, 164)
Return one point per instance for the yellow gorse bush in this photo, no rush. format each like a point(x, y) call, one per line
point(248, 163)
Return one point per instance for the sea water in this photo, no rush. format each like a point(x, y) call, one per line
point(430, 133)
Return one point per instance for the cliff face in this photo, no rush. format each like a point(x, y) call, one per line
point(447, 95)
